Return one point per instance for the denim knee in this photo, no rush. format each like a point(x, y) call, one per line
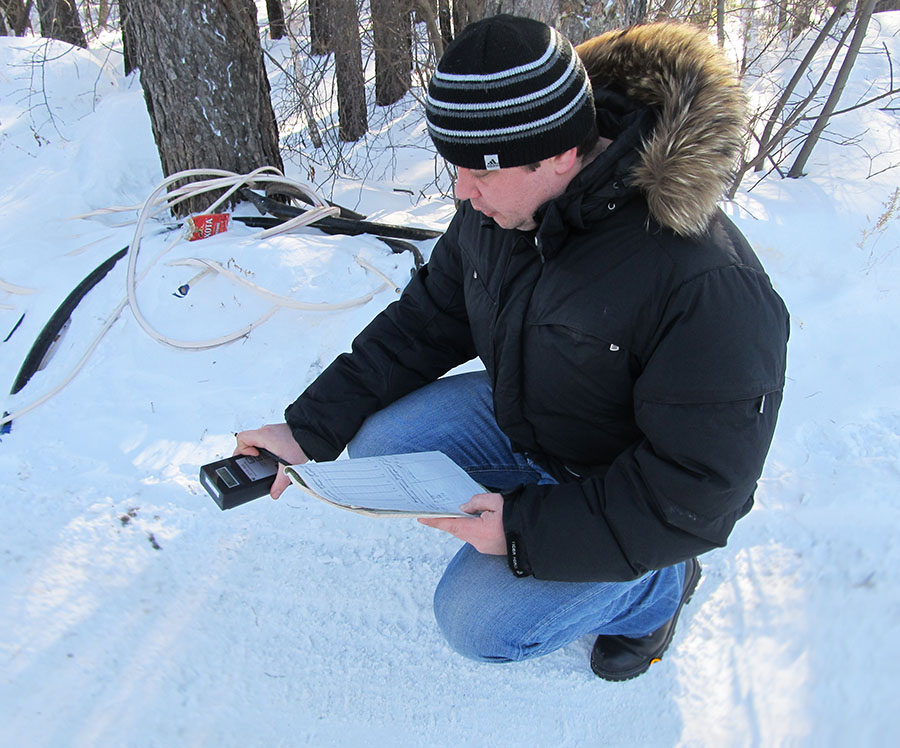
point(468, 633)
point(487, 614)
point(479, 617)
point(396, 429)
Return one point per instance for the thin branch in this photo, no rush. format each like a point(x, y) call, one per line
point(860, 105)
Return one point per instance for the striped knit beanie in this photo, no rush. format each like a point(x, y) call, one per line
point(508, 91)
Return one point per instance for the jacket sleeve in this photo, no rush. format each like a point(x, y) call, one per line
point(412, 342)
point(706, 404)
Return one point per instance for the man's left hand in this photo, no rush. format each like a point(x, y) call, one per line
point(484, 532)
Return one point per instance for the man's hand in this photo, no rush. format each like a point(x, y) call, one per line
point(484, 532)
point(277, 439)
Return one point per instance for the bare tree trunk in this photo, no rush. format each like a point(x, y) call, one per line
point(445, 19)
point(574, 20)
point(720, 23)
point(546, 11)
point(606, 15)
point(391, 27)
point(351, 82)
point(770, 142)
point(465, 12)
point(205, 86)
point(3, 30)
point(16, 12)
point(798, 75)
point(303, 90)
point(800, 17)
point(863, 16)
point(275, 12)
point(320, 26)
point(748, 31)
point(129, 43)
point(635, 11)
point(664, 12)
point(59, 20)
point(424, 10)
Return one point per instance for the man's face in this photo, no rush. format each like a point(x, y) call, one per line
point(509, 196)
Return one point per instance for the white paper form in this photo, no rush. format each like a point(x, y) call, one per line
point(420, 484)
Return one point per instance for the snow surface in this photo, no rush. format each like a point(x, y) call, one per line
point(135, 613)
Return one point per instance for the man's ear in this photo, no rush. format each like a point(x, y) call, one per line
point(565, 162)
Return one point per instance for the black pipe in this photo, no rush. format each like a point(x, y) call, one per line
point(15, 327)
point(43, 342)
point(329, 224)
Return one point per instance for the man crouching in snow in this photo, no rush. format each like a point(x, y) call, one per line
point(633, 346)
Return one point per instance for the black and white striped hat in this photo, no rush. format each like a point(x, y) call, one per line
point(508, 91)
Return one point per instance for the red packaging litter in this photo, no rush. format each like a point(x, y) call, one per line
point(206, 225)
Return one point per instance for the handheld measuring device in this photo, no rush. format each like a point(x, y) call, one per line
point(239, 479)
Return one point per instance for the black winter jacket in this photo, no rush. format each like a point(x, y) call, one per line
point(640, 363)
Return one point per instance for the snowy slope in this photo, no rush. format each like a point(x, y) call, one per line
point(136, 613)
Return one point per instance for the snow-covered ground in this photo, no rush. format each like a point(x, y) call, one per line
point(135, 613)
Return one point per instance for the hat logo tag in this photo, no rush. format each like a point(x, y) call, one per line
point(491, 161)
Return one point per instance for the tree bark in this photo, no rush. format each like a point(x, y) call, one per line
point(59, 20)
point(664, 12)
point(423, 12)
point(720, 23)
point(445, 19)
point(129, 43)
point(466, 12)
point(635, 11)
point(320, 26)
point(546, 11)
point(103, 14)
point(275, 12)
point(16, 12)
point(302, 89)
point(205, 86)
point(801, 13)
point(391, 27)
point(351, 82)
point(574, 20)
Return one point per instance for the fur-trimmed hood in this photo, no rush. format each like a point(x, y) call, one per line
point(686, 161)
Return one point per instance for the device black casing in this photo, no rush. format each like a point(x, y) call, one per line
point(228, 497)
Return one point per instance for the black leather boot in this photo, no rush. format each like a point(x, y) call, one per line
point(622, 658)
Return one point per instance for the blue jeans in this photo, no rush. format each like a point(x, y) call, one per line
point(484, 610)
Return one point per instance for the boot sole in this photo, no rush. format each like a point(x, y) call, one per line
point(693, 578)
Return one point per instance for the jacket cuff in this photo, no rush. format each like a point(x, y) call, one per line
point(313, 446)
point(517, 556)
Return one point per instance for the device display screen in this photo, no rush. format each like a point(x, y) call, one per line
point(227, 478)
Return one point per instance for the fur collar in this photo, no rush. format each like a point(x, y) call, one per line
point(686, 162)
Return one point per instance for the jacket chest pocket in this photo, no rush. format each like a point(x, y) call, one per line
point(584, 376)
point(481, 306)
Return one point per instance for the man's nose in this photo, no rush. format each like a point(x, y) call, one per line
point(465, 188)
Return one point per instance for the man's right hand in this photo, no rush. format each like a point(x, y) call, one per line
point(277, 439)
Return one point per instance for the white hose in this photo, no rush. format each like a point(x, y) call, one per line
point(285, 301)
point(11, 288)
point(212, 180)
point(219, 180)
